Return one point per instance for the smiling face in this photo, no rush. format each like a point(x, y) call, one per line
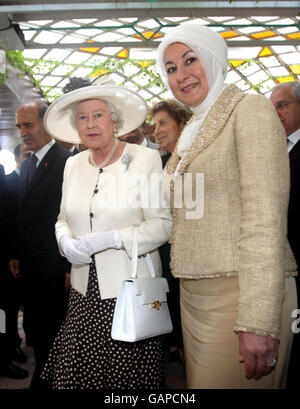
point(94, 124)
point(167, 130)
point(186, 76)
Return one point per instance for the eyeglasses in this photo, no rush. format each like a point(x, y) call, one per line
point(283, 105)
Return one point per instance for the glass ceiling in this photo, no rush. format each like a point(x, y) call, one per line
point(262, 51)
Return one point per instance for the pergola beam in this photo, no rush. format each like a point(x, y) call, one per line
point(73, 10)
point(154, 44)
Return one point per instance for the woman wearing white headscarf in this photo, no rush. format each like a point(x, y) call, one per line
point(232, 256)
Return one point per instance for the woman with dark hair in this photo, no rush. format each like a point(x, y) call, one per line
point(169, 118)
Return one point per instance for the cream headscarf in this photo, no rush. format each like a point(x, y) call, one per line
point(211, 49)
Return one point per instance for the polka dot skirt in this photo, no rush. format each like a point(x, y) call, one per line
point(84, 356)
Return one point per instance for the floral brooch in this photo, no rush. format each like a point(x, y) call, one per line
point(126, 159)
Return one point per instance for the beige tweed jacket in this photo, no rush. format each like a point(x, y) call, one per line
point(241, 151)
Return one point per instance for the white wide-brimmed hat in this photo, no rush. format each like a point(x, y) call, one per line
point(59, 117)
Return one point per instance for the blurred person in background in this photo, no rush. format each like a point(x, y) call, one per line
point(9, 340)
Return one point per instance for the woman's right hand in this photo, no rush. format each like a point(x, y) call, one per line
point(257, 352)
point(69, 247)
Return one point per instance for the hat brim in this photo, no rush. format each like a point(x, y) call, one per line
point(58, 119)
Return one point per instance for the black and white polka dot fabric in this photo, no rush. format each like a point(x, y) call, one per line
point(84, 356)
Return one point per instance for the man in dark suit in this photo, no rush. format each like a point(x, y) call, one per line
point(37, 258)
point(286, 100)
point(14, 287)
point(73, 149)
point(9, 339)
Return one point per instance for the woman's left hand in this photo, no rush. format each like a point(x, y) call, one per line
point(257, 352)
point(92, 243)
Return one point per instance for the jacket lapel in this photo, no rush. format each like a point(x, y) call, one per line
point(24, 177)
point(211, 127)
point(295, 153)
point(47, 162)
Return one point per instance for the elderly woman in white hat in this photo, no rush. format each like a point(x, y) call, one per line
point(95, 233)
point(233, 259)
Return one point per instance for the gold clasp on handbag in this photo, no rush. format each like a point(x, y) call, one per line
point(156, 305)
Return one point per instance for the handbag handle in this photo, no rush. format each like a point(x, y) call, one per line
point(134, 256)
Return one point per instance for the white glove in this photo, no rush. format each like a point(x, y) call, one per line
point(93, 243)
point(70, 248)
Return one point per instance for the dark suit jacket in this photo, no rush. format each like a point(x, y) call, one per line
point(294, 239)
point(165, 158)
point(294, 204)
point(3, 201)
point(75, 151)
point(4, 222)
point(12, 183)
point(41, 265)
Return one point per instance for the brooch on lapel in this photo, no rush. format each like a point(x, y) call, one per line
point(126, 159)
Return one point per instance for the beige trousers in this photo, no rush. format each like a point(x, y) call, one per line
point(208, 314)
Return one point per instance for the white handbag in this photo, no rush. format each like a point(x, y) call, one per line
point(141, 309)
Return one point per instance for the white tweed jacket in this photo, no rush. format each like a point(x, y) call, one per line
point(112, 210)
point(241, 151)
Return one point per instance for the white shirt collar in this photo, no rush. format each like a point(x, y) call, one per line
point(144, 143)
point(293, 139)
point(42, 152)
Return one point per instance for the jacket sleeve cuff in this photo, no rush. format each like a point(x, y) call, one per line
point(256, 331)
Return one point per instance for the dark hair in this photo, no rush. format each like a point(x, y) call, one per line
point(180, 113)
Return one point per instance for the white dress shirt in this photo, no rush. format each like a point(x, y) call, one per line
point(42, 152)
point(293, 139)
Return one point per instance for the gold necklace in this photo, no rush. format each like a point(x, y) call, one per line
point(108, 157)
